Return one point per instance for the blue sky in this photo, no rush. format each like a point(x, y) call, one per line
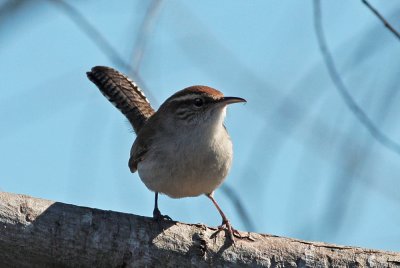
point(304, 166)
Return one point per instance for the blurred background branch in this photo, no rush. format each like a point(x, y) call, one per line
point(98, 39)
point(384, 21)
point(343, 91)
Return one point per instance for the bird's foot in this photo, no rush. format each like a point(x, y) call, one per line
point(157, 216)
point(232, 232)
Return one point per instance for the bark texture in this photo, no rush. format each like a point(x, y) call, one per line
point(41, 233)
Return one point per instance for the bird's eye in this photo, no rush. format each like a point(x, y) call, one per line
point(198, 102)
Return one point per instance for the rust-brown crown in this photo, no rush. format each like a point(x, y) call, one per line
point(201, 90)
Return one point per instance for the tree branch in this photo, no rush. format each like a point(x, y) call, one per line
point(42, 233)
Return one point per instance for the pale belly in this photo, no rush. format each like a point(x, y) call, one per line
point(184, 170)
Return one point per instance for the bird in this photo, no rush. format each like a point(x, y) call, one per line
point(181, 150)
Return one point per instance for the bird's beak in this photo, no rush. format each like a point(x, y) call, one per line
point(230, 100)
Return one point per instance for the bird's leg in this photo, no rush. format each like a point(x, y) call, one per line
point(156, 212)
point(225, 222)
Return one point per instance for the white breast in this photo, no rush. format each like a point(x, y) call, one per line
point(194, 162)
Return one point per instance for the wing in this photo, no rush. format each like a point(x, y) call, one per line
point(137, 155)
point(123, 93)
point(142, 144)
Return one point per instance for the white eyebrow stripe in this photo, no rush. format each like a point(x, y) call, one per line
point(186, 97)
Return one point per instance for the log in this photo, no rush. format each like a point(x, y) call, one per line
point(40, 233)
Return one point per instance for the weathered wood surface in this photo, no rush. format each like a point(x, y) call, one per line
point(41, 233)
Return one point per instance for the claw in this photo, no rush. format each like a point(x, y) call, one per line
point(226, 225)
point(157, 216)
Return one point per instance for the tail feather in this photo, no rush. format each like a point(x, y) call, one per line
point(123, 93)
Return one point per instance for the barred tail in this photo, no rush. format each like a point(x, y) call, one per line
point(123, 93)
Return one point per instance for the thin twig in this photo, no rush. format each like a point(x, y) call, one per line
point(92, 33)
point(359, 113)
point(141, 42)
point(384, 21)
point(100, 41)
point(9, 6)
point(142, 38)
